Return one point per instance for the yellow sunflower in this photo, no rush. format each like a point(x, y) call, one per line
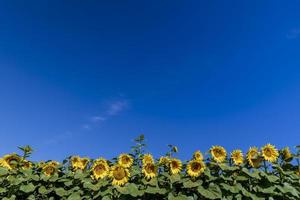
point(26, 164)
point(175, 166)
point(79, 163)
point(148, 158)
point(286, 154)
point(218, 153)
point(50, 168)
point(253, 157)
point(195, 168)
point(125, 160)
point(237, 157)
point(10, 161)
point(164, 160)
point(41, 164)
point(119, 174)
point(100, 169)
point(269, 153)
point(149, 170)
point(198, 155)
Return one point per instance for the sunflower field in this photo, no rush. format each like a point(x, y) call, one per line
point(262, 173)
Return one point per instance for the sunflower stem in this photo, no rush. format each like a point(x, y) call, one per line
point(265, 166)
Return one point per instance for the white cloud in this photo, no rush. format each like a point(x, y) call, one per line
point(98, 119)
point(117, 107)
point(114, 108)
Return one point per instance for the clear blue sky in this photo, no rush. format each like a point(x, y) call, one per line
point(87, 77)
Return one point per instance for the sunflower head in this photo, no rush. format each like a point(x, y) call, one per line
point(195, 168)
point(218, 153)
point(26, 164)
point(269, 153)
point(79, 163)
point(41, 164)
point(100, 169)
point(175, 166)
point(237, 157)
point(253, 157)
point(164, 160)
point(286, 154)
point(125, 160)
point(148, 158)
point(50, 168)
point(198, 155)
point(149, 170)
point(11, 161)
point(119, 174)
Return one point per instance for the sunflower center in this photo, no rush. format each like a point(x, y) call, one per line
point(150, 168)
point(49, 170)
point(195, 166)
point(125, 160)
point(12, 162)
point(119, 173)
point(268, 152)
point(218, 152)
point(99, 169)
point(174, 164)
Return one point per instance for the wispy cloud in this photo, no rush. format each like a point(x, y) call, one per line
point(112, 109)
point(117, 107)
point(293, 34)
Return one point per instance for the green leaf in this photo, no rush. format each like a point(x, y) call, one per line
point(74, 196)
point(2, 190)
point(231, 189)
point(192, 184)
point(134, 191)
point(61, 192)
point(90, 186)
point(174, 178)
point(43, 190)
point(27, 188)
point(3, 171)
point(179, 197)
point(155, 190)
point(213, 192)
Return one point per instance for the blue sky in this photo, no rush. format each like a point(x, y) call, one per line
point(87, 77)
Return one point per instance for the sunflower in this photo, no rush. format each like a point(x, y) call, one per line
point(119, 174)
point(26, 164)
point(198, 155)
point(50, 168)
point(237, 157)
point(10, 161)
point(125, 160)
point(100, 169)
point(270, 153)
point(79, 163)
point(253, 157)
point(286, 154)
point(149, 170)
point(148, 158)
point(195, 168)
point(164, 160)
point(175, 165)
point(41, 164)
point(218, 153)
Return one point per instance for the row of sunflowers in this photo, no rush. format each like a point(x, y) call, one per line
point(261, 173)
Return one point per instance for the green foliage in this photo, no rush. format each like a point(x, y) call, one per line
point(219, 181)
